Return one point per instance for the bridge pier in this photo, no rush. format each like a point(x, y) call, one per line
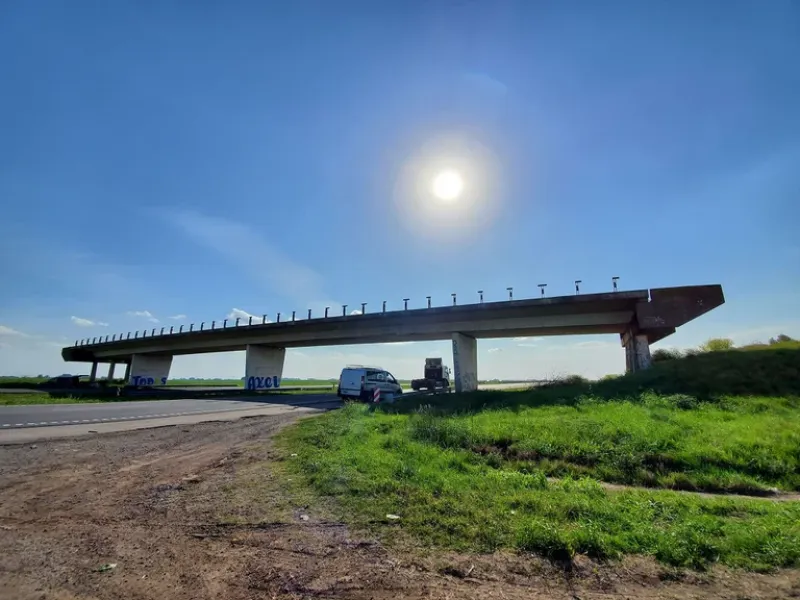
point(127, 377)
point(111, 366)
point(263, 367)
point(637, 351)
point(465, 362)
point(149, 369)
point(93, 372)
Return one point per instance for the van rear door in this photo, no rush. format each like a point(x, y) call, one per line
point(350, 382)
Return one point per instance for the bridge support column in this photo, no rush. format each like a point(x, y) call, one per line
point(149, 369)
point(111, 366)
point(93, 372)
point(637, 351)
point(465, 362)
point(263, 367)
point(127, 377)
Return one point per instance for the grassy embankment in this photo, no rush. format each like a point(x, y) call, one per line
point(531, 470)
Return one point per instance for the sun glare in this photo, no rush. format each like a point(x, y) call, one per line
point(448, 185)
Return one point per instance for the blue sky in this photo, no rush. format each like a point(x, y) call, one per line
point(192, 158)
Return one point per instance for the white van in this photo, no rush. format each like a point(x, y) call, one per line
point(360, 382)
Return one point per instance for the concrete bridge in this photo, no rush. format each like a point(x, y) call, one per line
point(639, 317)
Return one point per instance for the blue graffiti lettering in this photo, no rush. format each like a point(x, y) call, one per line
point(263, 383)
point(140, 380)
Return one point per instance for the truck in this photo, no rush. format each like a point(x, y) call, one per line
point(437, 376)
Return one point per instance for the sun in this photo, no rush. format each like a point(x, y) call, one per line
point(448, 185)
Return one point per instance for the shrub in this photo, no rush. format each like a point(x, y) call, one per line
point(663, 354)
point(717, 345)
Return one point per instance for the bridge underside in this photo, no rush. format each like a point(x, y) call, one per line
point(639, 317)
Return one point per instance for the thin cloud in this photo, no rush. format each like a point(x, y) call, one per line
point(145, 314)
point(251, 253)
point(493, 350)
point(8, 331)
point(593, 344)
point(238, 313)
point(178, 317)
point(355, 312)
point(528, 345)
point(81, 322)
point(525, 339)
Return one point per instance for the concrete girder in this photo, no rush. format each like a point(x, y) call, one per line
point(377, 332)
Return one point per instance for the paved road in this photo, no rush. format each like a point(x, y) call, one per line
point(52, 415)
point(48, 415)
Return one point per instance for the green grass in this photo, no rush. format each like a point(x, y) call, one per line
point(738, 445)
point(476, 471)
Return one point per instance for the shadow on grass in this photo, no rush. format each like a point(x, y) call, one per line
point(688, 380)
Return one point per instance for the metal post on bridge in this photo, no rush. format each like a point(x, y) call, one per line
point(454, 298)
point(405, 303)
point(541, 287)
point(326, 311)
point(384, 306)
point(213, 324)
point(127, 337)
point(180, 329)
point(224, 323)
point(429, 301)
point(171, 329)
point(480, 292)
point(510, 293)
point(614, 281)
point(344, 309)
point(278, 318)
point(309, 314)
point(114, 338)
point(237, 321)
point(250, 320)
point(363, 308)
point(162, 331)
point(293, 316)
point(577, 286)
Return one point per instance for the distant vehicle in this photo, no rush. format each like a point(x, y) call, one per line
point(360, 382)
point(437, 376)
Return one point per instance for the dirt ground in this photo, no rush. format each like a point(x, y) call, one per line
point(195, 512)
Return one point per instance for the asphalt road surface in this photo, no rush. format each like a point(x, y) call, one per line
point(49, 415)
